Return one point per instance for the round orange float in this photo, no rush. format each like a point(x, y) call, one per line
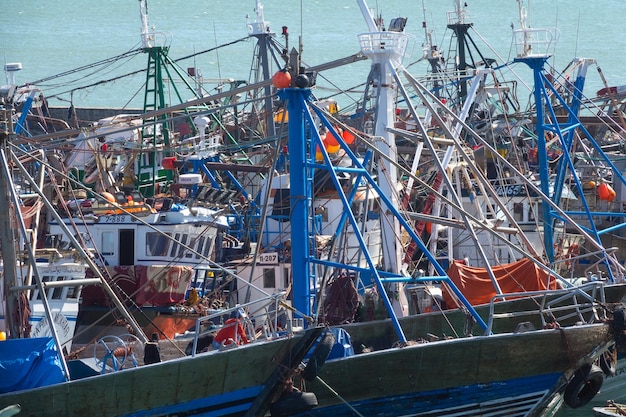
point(282, 79)
point(606, 192)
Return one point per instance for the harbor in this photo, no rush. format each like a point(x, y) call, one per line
point(314, 236)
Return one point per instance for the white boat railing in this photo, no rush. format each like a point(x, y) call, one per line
point(535, 42)
point(266, 309)
point(553, 306)
point(459, 16)
point(389, 43)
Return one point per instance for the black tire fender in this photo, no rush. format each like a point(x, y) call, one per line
point(292, 403)
point(583, 386)
point(608, 362)
point(319, 356)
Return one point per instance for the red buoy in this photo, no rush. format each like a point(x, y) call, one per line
point(168, 162)
point(282, 79)
point(606, 192)
point(348, 137)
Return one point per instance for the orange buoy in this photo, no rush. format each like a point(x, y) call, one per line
point(168, 162)
point(606, 192)
point(348, 137)
point(282, 79)
point(318, 153)
point(109, 197)
point(589, 185)
point(331, 140)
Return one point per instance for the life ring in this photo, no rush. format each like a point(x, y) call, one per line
point(319, 356)
point(608, 361)
point(295, 401)
point(583, 386)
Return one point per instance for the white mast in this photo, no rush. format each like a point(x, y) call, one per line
point(386, 50)
point(146, 36)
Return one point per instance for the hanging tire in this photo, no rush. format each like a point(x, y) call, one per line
point(583, 386)
point(319, 356)
point(292, 403)
point(608, 362)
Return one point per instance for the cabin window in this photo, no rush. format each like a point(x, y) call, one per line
point(157, 244)
point(57, 292)
point(208, 246)
point(323, 212)
point(518, 212)
point(182, 251)
point(535, 211)
point(35, 294)
point(73, 292)
point(108, 243)
point(286, 279)
point(282, 204)
point(199, 245)
point(53, 241)
point(175, 245)
point(269, 278)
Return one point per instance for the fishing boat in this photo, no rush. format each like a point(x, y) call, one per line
point(395, 376)
point(223, 381)
point(611, 409)
point(401, 377)
point(120, 198)
point(55, 278)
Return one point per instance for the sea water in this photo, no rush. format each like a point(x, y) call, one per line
point(50, 38)
point(54, 37)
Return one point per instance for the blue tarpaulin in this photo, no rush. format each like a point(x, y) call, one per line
point(29, 363)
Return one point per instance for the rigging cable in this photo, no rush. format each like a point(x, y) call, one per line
point(113, 59)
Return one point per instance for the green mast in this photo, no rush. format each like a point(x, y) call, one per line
point(156, 132)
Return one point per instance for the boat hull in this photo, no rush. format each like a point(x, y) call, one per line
point(214, 383)
point(468, 376)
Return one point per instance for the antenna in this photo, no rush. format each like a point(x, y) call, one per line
point(146, 37)
point(530, 42)
point(10, 70)
point(259, 26)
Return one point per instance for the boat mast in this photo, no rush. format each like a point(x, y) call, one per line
point(384, 61)
point(462, 60)
point(156, 132)
point(7, 236)
point(460, 28)
point(434, 56)
point(260, 29)
point(534, 47)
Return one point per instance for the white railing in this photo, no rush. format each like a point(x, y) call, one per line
point(580, 304)
point(266, 312)
point(458, 16)
point(390, 43)
point(535, 42)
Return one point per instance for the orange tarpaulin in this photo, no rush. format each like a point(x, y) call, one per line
point(476, 285)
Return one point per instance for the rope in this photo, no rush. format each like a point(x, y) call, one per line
point(335, 393)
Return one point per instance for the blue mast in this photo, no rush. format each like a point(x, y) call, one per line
point(534, 48)
point(300, 199)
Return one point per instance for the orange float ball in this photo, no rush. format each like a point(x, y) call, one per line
point(606, 192)
point(331, 140)
point(348, 137)
point(109, 197)
point(282, 79)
